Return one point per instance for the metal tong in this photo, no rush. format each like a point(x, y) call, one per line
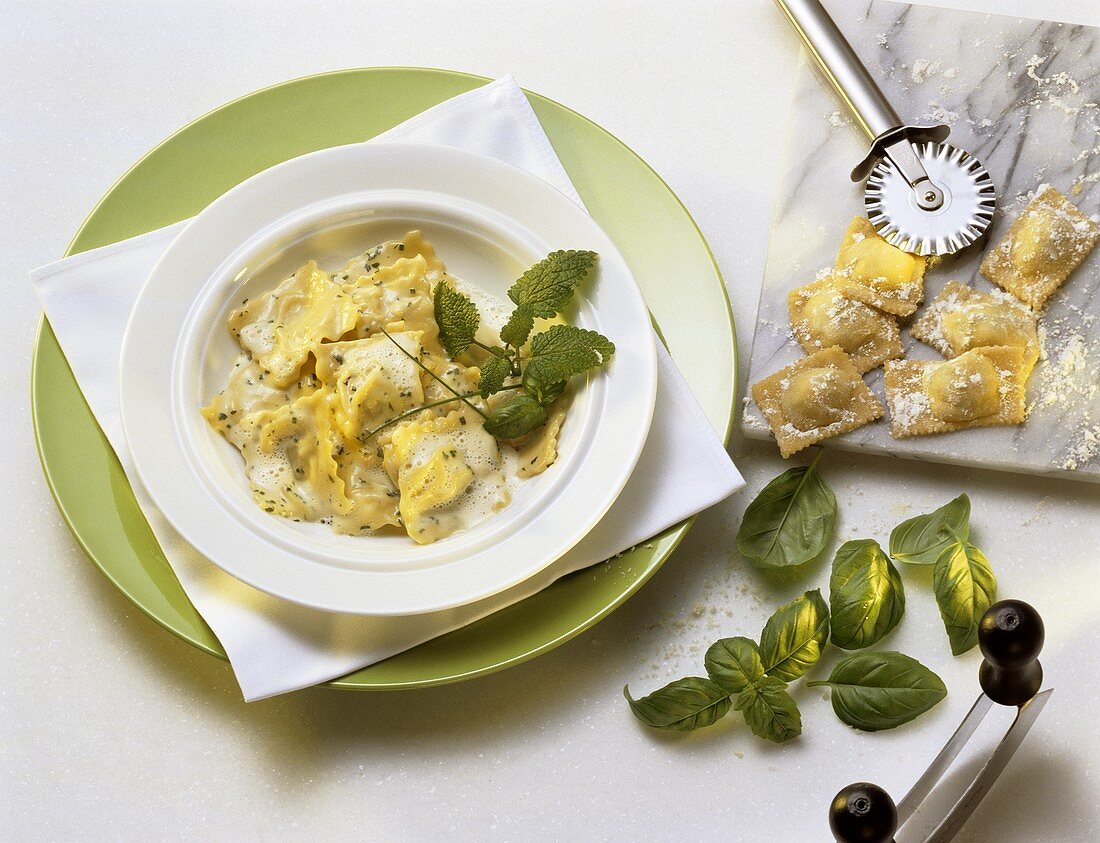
point(1010, 636)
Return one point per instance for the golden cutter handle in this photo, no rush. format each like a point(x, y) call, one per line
point(842, 66)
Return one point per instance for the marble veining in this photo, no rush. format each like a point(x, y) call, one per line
point(1022, 96)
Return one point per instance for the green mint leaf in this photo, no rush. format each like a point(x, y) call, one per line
point(876, 691)
point(770, 712)
point(793, 637)
point(546, 287)
point(457, 318)
point(681, 706)
point(494, 371)
point(518, 327)
point(965, 587)
point(923, 539)
point(565, 350)
point(545, 393)
point(790, 521)
point(517, 416)
point(733, 664)
point(866, 595)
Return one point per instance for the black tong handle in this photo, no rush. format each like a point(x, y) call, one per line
point(1010, 635)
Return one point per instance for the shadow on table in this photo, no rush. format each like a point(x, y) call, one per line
point(301, 730)
point(306, 732)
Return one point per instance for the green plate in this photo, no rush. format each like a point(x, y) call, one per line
point(186, 172)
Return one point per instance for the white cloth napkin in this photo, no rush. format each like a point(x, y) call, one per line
point(275, 646)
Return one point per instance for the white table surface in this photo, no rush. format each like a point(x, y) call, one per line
point(114, 729)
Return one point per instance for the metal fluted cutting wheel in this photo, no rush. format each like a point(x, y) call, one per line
point(967, 210)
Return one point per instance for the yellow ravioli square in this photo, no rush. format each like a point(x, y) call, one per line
point(386, 254)
point(374, 499)
point(979, 388)
point(819, 396)
point(291, 459)
point(397, 297)
point(872, 271)
point(961, 318)
point(822, 316)
point(375, 379)
point(281, 327)
point(1041, 248)
point(444, 469)
point(539, 450)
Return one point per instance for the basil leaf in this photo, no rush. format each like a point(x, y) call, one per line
point(965, 587)
point(921, 540)
point(876, 691)
point(866, 595)
point(790, 521)
point(793, 637)
point(733, 664)
point(681, 706)
point(518, 415)
point(770, 711)
point(545, 393)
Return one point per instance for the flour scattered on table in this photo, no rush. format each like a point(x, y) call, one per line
point(1085, 448)
point(723, 609)
point(1038, 513)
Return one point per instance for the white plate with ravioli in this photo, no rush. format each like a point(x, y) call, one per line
point(388, 379)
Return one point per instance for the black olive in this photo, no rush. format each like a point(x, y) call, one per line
point(1011, 687)
point(1010, 634)
point(863, 813)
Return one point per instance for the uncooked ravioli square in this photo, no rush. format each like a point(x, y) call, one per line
point(819, 396)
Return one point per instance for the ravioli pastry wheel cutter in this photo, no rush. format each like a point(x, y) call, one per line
point(1010, 635)
point(922, 195)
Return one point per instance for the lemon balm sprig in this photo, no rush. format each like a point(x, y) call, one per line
point(550, 357)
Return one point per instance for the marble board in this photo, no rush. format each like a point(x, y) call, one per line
point(1022, 96)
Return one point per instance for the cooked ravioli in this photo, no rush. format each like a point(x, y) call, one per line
point(539, 450)
point(449, 377)
point(822, 316)
point(979, 388)
point(343, 403)
point(373, 498)
point(291, 459)
point(449, 474)
point(387, 254)
point(375, 379)
point(874, 272)
point(397, 297)
point(819, 396)
point(961, 318)
point(231, 411)
point(1041, 248)
point(281, 327)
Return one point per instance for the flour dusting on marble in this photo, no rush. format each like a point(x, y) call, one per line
point(1022, 97)
point(1059, 90)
